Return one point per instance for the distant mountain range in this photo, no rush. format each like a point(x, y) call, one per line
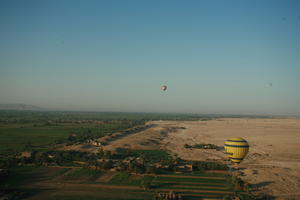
point(19, 107)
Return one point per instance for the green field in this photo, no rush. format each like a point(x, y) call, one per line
point(85, 181)
point(54, 116)
point(19, 129)
point(15, 137)
point(57, 177)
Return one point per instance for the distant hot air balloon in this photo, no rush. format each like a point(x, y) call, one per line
point(164, 87)
point(236, 148)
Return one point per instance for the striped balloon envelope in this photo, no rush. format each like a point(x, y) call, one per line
point(236, 148)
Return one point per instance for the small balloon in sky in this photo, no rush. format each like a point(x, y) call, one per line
point(164, 87)
point(270, 84)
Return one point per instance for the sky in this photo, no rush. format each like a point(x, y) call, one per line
point(220, 57)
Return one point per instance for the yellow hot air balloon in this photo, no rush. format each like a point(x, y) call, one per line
point(236, 148)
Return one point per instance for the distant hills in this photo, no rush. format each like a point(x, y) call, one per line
point(19, 107)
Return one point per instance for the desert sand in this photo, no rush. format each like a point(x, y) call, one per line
point(272, 165)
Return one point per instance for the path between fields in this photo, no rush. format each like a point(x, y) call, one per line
point(194, 187)
point(191, 183)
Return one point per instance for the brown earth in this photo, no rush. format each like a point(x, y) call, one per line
point(273, 162)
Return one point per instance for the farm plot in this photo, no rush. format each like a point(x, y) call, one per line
point(190, 186)
point(195, 186)
point(81, 183)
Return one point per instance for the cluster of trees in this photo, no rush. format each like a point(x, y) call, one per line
point(141, 162)
point(10, 116)
point(201, 166)
point(74, 138)
point(202, 146)
point(137, 167)
point(57, 158)
point(100, 160)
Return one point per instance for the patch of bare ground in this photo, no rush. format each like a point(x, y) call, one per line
point(80, 147)
point(147, 139)
point(113, 138)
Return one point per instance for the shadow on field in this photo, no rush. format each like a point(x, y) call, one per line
point(261, 184)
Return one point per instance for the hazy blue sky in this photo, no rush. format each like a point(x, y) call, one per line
point(216, 56)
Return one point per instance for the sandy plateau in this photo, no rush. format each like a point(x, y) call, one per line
point(272, 165)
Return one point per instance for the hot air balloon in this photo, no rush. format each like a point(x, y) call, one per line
point(236, 148)
point(163, 87)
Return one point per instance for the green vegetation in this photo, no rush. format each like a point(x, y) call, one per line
point(192, 180)
point(124, 178)
point(53, 117)
point(42, 137)
point(30, 159)
point(21, 130)
point(151, 156)
point(201, 166)
point(202, 146)
point(88, 197)
point(82, 173)
point(22, 175)
point(148, 183)
point(60, 172)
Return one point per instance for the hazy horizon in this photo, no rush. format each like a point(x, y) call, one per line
point(217, 57)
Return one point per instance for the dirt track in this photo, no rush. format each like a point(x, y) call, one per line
point(191, 183)
point(272, 165)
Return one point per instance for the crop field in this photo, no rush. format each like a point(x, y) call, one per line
point(15, 137)
point(52, 171)
point(198, 186)
point(190, 186)
point(79, 183)
point(19, 129)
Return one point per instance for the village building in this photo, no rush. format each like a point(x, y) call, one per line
point(24, 154)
